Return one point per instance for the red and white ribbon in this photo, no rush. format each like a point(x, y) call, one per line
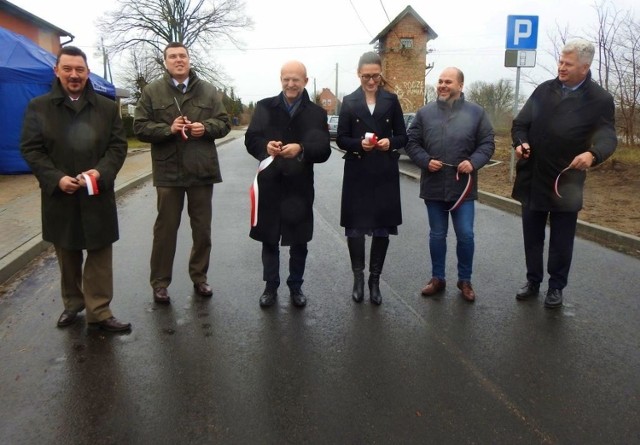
point(465, 192)
point(371, 138)
point(254, 194)
point(555, 186)
point(92, 184)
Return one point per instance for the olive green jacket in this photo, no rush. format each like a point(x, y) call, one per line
point(178, 162)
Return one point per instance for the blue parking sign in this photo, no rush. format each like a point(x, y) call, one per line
point(522, 32)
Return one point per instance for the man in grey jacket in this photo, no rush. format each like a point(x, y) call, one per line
point(450, 139)
point(181, 115)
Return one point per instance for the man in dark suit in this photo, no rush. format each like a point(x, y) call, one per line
point(74, 141)
point(288, 134)
point(565, 127)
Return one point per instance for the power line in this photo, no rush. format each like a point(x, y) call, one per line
point(360, 18)
point(342, 45)
point(385, 11)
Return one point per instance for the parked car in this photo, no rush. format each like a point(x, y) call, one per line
point(408, 118)
point(332, 121)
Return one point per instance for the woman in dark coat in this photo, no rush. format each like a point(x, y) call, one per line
point(370, 129)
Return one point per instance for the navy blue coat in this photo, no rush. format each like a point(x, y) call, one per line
point(285, 206)
point(371, 182)
point(557, 130)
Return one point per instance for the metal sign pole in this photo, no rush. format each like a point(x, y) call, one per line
point(515, 113)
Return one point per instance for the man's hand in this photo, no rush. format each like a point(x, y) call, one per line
point(290, 151)
point(197, 129)
point(434, 165)
point(68, 184)
point(523, 151)
point(583, 161)
point(180, 123)
point(274, 148)
point(465, 167)
point(93, 172)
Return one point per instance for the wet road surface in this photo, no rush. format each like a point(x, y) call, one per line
point(414, 370)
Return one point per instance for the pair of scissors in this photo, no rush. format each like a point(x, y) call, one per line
point(184, 119)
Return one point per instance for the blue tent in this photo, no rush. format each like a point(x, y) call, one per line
point(26, 71)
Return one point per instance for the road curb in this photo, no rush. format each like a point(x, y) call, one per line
point(20, 257)
point(612, 239)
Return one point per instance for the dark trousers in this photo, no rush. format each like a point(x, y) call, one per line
point(165, 232)
point(271, 265)
point(91, 287)
point(562, 229)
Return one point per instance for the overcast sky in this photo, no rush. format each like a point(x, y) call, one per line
point(323, 34)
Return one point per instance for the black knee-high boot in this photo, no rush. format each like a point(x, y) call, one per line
point(378, 253)
point(356, 253)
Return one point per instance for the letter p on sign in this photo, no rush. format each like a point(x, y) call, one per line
point(522, 32)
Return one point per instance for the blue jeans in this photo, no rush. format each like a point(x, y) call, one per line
point(462, 219)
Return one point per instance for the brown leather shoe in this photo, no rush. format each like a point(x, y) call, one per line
point(161, 295)
point(111, 324)
point(67, 318)
point(467, 291)
point(203, 289)
point(434, 286)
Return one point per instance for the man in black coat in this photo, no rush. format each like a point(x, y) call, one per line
point(288, 134)
point(74, 141)
point(566, 126)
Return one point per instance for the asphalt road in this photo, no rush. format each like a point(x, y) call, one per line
point(412, 371)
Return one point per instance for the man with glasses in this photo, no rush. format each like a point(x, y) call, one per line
point(450, 140)
point(566, 127)
point(288, 134)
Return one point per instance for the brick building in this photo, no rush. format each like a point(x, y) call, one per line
point(43, 33)
point(328, 101)
point(402, 45)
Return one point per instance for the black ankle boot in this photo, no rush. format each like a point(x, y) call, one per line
point(356, 253)
point(358, 286)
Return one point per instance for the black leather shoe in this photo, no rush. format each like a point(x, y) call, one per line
point(268, 298)
point(67, 318)
point(203, 289)
point(298, 299)
point(111, 324)
point(553, 299)
point(529, 290)
point(160, 295)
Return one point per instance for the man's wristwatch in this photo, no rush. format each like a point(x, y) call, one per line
point(593, 158)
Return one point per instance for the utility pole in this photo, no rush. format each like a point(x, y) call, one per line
point(336, 93)
point(315, 91)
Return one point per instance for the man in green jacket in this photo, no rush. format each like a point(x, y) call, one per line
point(181, 116)
point(74, 141)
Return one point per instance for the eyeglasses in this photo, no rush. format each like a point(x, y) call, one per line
point(368, 77)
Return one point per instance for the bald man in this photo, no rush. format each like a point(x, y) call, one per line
point(288, 134)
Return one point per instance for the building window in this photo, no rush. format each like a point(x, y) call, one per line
point(406, 43)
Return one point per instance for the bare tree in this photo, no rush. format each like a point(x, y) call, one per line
point(496, 98)
point(152, 24)
point(141, 67)
point(430, 93)
point(617, 38)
